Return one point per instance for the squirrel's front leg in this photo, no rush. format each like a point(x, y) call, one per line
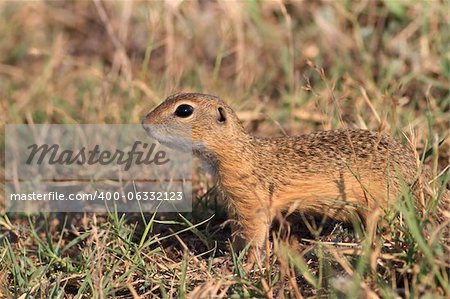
point(251, 227)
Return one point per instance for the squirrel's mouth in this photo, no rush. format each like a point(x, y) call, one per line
point(146, 127)
point(166, 137)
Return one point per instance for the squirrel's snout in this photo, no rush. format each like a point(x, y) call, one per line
point(147, 119)
point(146, 122)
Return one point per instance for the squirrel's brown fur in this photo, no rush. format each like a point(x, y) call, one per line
point(339, 173)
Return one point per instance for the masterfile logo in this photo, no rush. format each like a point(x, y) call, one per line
point(88, 168)
point(54, 155)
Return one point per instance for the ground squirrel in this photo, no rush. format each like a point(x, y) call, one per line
point(339, 173)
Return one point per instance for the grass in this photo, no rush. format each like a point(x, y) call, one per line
point(286, 69)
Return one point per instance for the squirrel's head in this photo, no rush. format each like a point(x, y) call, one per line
point(204, 120)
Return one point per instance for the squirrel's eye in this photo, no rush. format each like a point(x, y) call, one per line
point(184, 110)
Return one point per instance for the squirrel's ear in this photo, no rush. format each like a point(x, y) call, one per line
point(221, 115)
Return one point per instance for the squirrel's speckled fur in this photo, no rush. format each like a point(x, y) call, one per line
point(339, 173)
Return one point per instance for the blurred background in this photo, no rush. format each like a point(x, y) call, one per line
point(301, 65)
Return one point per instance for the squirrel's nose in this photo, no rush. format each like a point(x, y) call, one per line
point(145, 122)
point(146, 126)
point(146, 119)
